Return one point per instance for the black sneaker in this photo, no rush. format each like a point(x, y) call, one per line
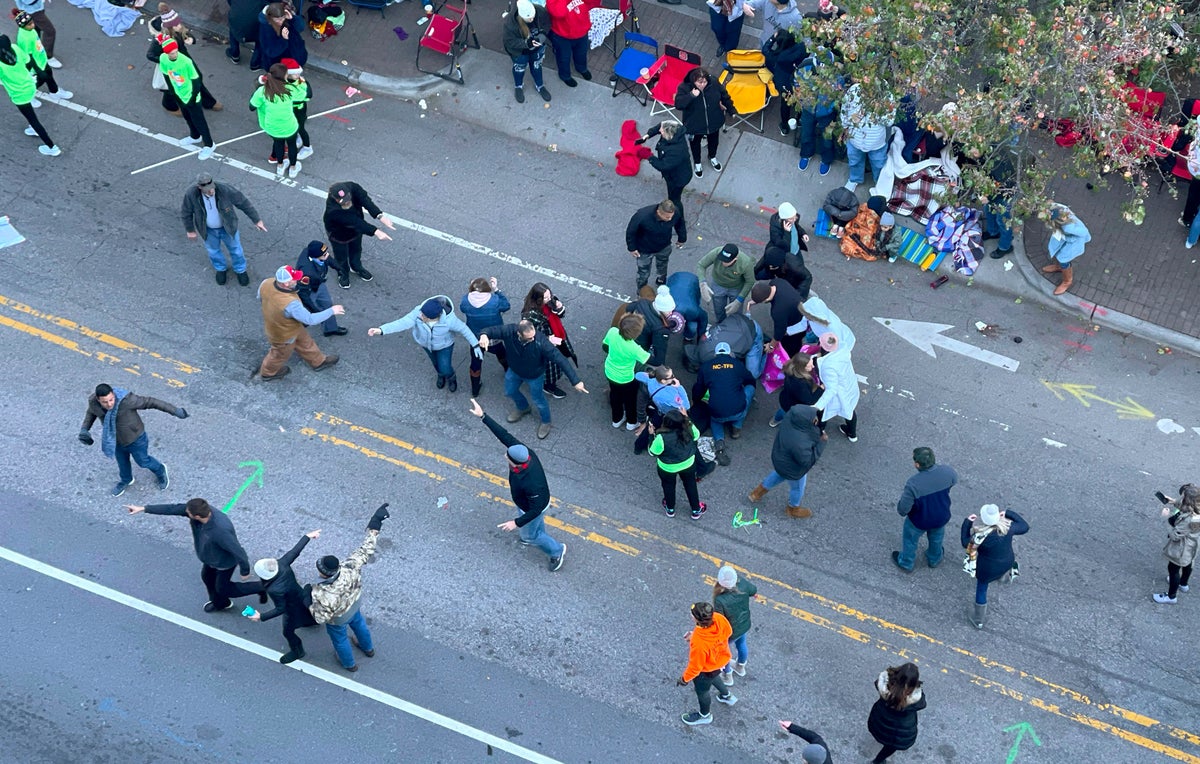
point(344, 280)
point(164, 479)
point(851, 438)
point(121, 485)
point(999, 253)
point(784, 129)
point(545, 94)
point(670, 510)
point(569, 82)
point(554, 391)
point(222, 277)
point(243, 279)
point(556, 562)
point(441, 382)
point(209, 607)
point(586, 75)
point(519, 94)
point(364, 274)
point(233, 59)
point(697, 512)
point(341, 331)
point(290, 656)
point(452, 384)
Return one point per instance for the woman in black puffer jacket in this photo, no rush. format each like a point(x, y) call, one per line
point(893, 719)
point(704, 102)
point(671, 159)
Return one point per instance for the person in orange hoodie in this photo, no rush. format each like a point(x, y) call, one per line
point(708, 653)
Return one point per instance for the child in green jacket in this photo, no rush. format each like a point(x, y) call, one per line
point(30, 41)
point(277, 117)
point(18, 82)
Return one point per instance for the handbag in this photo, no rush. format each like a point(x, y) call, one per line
point(772, 373)
point(971, 558)
point(157, 80)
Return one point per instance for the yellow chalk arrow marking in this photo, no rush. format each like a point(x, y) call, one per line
point(1127, 409)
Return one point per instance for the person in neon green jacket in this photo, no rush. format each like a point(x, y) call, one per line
point(184, 80)
point(302, 93)
point(29, 39)
point(17, 80)
point(277, 117)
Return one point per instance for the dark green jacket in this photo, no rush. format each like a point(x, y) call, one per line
point(735, 606)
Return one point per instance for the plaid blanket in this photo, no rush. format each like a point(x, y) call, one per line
point(957, 230)
point(914, 196)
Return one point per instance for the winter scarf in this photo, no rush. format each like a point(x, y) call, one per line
point(108, 438)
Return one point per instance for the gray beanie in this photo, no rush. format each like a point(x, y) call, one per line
point(814, 754)
point(518, 453)
point(887, 218)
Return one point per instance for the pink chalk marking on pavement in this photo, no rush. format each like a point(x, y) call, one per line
point(1081, 330)
point(1069, 343)
point(339, 119)
point(1093, 308)
point(748, 240)
point(761, 224)
point(765, 208)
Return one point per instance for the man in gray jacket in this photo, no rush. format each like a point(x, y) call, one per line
point(122, 434)
point(211, 208)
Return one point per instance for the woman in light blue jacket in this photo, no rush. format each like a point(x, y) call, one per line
point(433, 326)
point(1067, 238)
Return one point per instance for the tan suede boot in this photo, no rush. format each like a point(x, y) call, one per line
point(1051, 268)
point(1068, 275)
point(798, 512)
point(758, 492)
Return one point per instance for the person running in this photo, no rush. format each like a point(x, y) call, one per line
point(287, 595)
point(433, 326)
point(183, 78)
point(218, 549)
point(530, 492)
point(21, 87)
point(528, 353)
point(122, 433)
point(482, 306)
point(29, 39)
point(893, 718)
point(277, 118)
point(623, 357)
point(345, 225)
point(801, 386)
point(798, 445)
point(988, 541)
point(674, 447)
point(286, 322)
point(925, 507)
point(302, 92)
point(337, 597)
point(545, 311)
point(1182, 541)
point(731, 598)
point(708, 653)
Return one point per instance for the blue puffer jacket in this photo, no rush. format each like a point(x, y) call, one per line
point(487, 314)
point(432, 336)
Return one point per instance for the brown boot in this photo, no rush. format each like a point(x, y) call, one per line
point(1051, 268)
point(1067, 278)
point(798, 512)
point(758, 492)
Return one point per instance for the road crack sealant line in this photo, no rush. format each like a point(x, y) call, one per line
point(269, 175)
point(338, 680)
point(849, 632)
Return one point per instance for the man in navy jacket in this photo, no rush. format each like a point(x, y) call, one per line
point(925, 507)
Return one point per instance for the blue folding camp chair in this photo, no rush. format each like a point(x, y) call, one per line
point(631, 63)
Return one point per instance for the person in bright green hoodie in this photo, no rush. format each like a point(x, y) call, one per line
point(29, 39)
point(184, 80)
point(302, 93)
point(277, 118)
point(18, 82)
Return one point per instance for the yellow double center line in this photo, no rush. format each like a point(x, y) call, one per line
point(324, 423)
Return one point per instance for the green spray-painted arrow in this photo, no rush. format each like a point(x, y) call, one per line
point(1022, 729)
point(255, 477)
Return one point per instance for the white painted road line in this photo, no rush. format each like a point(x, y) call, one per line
point(925, 336)
point(246, 645)
point(269, 175)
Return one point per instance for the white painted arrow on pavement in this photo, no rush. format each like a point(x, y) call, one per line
point(927, 335)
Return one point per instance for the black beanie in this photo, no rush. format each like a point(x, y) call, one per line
point(315, 249)
point(877, 204)
point(328, 565)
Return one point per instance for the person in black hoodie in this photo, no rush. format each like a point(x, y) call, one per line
point(784, 53)
point(817, 750)
point(785, 302)
point(779, 263)
point(704, 102)
point(529, 489)
point(798, 445)
point(893, 718)
point(314, 264)
point(528, 351)
point(671, 159)
point(345, 225)
point(217, 547)
point(648, 238)
point(290, 599)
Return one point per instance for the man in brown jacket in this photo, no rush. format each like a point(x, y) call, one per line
point(286, 322)
point(122, 433)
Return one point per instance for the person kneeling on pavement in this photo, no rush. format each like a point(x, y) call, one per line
point(730, 389)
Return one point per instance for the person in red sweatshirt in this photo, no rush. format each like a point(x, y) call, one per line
point(569, 26)
point(708, 653)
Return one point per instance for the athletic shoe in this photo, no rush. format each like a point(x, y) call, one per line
point(631, 426)
point(999, 253)
point(65, 94)
point(1163, 599)
point(698, 169)
point(344, 280)
point(670, 510)
point(802, 165)
point(31, 132)
point(616, 425)
point(211, 608)
point(1182, 587)
point(452, 384)
point(728, 700)
point(554, 391)
point(36, 103)
point(696, 513)
point(282, 167)
point(54, 63)
point(586, 75)
point(50, 151)
point(774, 422)
point(1180, 221)
point(189, 141)
point(120, 487)
point(294, 170)
point(243, 278)
point(206, 153)
point(727, 677)
point(569, 82)
point(739, 669)
point(849, 437)
point(556, 562)
point(233, 59)
point(823, 169)
point(519, 94)
point(695, 718)
point(222, 277)
point(304, 153)
point(363, 274)
point(715, 164)
point(545, 94)
point(784, 129)
point(164, 480)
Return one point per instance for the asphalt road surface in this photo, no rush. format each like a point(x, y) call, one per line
point(1076, 664)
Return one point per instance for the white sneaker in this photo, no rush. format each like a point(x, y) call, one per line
point(189, 141)
point(631, 426)
point(294, 170)
point(716, 165)
point(1163, 599)
point(851, 185)
point(65, 94)
point(617, 425)
point(36, 103)
point(699, 170)
point(54, 63)
point(1188, 245)
point(304, 153)
point(281, 168)
point(31, 132)
point(50, 151)
point(1184, 588)
point(207, 152)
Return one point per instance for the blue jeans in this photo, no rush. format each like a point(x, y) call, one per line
point(512, 388)
point(728, 33)
point(529, 59)
point(795, 487)
point(718, 429)
point(443, 361)
point(858, 159)
point(140, 451)
point(981, 592)
point(908, 545)
point(567, 51)
point(534, 532)
point(341, 640)
point(740, 651)
point(212, 243)
point(324, 301)
point(1000, 223)
point(812, 135)
point(1194, 232)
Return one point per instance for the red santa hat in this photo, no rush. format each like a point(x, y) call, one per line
point(293, 67)
point(169, 44)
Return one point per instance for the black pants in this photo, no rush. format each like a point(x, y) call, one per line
point(1193, 202)
point(1177, 577)
point(171, 103)
point(883, 754)
point(193, 114)
point(688, 478)
point(302, 118)
point(623, 399)
point(293, 621)
point(496, 349)
point(46, 77)
point(30, 115)
point(221, 586)
point(348, 255)
point(703, 682)
point(675, 194)
point(714, 140)
point(277, 145)
point(786, 112)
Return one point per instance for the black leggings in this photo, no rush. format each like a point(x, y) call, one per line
point(193, 114)
point(706, 681)
point(688, 478)
point(46, 77)
point(1176, 577)
point(30, 115)
point(293, 621)
point(221, 587)
point(714, 140)
point(622, 400)
point(883, 754)
point(277, 145)
point(302, 118)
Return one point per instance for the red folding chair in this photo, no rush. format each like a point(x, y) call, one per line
point(664, 77)
point(448, 33)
